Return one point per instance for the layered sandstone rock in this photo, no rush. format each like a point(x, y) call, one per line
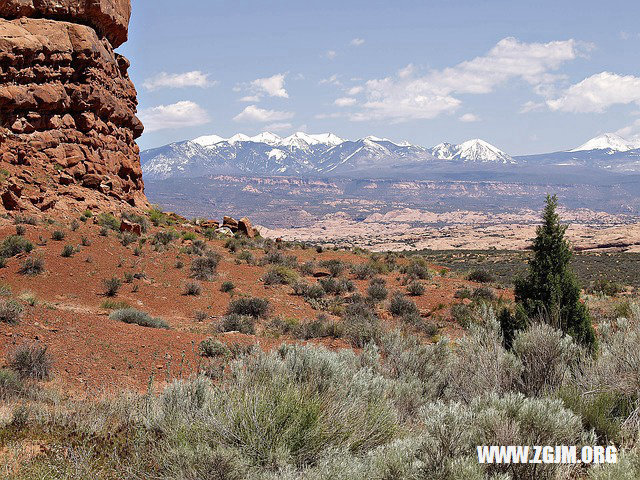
point(67, 106)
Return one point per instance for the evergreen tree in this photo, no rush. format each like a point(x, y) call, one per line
point(550, 290)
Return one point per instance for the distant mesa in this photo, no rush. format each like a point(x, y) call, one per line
point(67, 107)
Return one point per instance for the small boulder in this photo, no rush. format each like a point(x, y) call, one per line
point(226, 231)
point(245, 227)
point(127, 226)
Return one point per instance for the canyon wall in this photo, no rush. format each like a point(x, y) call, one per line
point(67, 107)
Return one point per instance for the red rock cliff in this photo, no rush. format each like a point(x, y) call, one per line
point(67, 106)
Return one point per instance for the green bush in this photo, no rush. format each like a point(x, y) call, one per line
point(213, 348)
point(401, 306)
point(14, 245)
point(361, 325)
point(252, 306)
point(111, 286)
point(280, 275)
point(31, 360)
point(67, 251)
point(32, 266)
point(377, 290)
point(10, 384)
point(128, 238)
point(164, 237)
point(227, 287)
point(415, 289)
point(193, 288)
point(21, 230)
point(481, 276)
point(137, 317)
point(58, 235)
point(106, 220)
point(234, 322)
point(10, 312)
point(204, 268)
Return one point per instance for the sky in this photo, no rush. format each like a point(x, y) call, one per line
point(526, 76)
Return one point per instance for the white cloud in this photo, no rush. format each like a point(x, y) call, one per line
point(532, 106)
point(345, 102)
point(355, 90)
point(406, 96)
point(469, 117)
point(250, 99)
point(331, 54)
point(177, 115)
point(357, 42)
point(255, 114)
point(597, 93)
point(273, 86)
point(278, 127)
point(324, 116)
point(178, 80)
point(332, 80)
point(631, 132)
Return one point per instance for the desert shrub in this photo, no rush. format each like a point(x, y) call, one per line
point(32, 266)
point(164, 237)
point(462, 314)
point(227, 287)
point(211, 347)
point(204, 268)
point(481, 276)
point(25, 220)
point(193, 288)
point(605, 286)
point(200, 316)
point(138, 219)
point(10, 312)
point(114, 305)
point(14, 245)
point(280, 275)
point(275, 257)
point(31, 360)
point(235, 322)
point(106, 220)
point(246, 256)
point(362, 271)
point(179, 264)
point(337, 286)
point(67, 251)
point(10, 384)
point(128, 238)
point(546, 356)
point(335, 267)
point(111, 286)
point(189, 236)
point(74, 225)
point(312, 291)
point(58, 235)
point(417, 268)
point(464, 292)
point(377, 289)
point(3, 262)
point(158, 217)
point(137, 317)
point(252, 306)
point(481, 364)
point(415, 289)
point(21, 230)
point(401, 305)
point(104, 231)
point(307, 268)
point(85, 241)
point(320, 327)
point(361, 325)
point(484, 294)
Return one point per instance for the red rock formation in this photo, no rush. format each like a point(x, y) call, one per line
point(67, 106)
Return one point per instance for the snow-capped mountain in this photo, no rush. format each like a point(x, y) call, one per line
point(608, 141)
point(476, 151)
point(305, 154)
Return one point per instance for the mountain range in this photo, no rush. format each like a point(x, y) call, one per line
point(327, 154)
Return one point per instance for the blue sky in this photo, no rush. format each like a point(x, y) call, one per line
point(529, 77)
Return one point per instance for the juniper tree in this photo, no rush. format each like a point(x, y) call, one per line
point(550, 290)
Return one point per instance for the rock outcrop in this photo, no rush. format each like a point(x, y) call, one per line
point(67, 106)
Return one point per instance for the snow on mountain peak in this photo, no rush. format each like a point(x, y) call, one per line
point(475, 150)
point(608, 141)
point(208, 140)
